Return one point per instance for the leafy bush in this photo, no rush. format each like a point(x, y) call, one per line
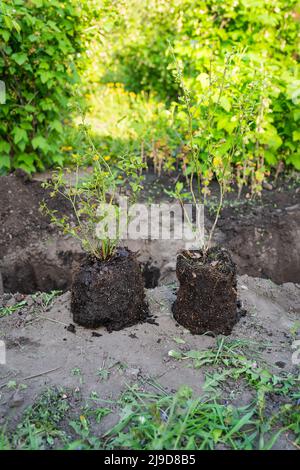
point(128, 123)
point(93, 197)
point(40, 43)
point(202, 30)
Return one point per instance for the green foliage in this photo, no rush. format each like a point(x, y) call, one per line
point(50, 47)
point(151, 421)
point(94, 214)
point(202, 31)
point(155, 420)
point(40, 43)
point(39, 425)
point(231, 358)
point(6, 311)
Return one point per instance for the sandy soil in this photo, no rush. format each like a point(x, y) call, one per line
point(43, 351)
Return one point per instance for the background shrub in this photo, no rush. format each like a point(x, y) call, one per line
point(201, 31)
point(41, 42)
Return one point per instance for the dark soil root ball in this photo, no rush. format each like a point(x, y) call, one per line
point(207, 296)
point(109, 293)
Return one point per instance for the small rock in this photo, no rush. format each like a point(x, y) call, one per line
point(151, 321)
point(6, 296)
point(71, 328)
point(280, 364)
point(293, 208)
point(19, 297)
point(11, 302)
point(134, 373)
point(267, 186)
point(16, 400)
point(132, 336)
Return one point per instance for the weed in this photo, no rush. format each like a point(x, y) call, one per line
point(76, 372)
point(46, 298)
point(159, 420)
point(6, 311)
point(103, 374)
point(13, 385)
point(4, 441)
point(180, 422)
point(233, 363)
point(39, 426)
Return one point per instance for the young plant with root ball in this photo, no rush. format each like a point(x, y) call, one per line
point(92, 194)
point(207, 296)
point(108, 287)
point(211, 154)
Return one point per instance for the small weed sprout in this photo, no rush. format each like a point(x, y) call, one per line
point(6, 311)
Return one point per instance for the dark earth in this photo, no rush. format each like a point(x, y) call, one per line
point(262, 235)
point(109, 293)
point(207, 295)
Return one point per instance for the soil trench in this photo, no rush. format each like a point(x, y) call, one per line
point(262, 236)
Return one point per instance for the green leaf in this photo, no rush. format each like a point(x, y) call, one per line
point(179, 186)
point(56, 125)
point(20, 58)
point(179, 340)
point(40, 142)
point(296, 136)
point(216, 434)
point(203, 78)
point(4, 147)
point(19, 135)
point(25, 162)
point(5, 35)
point(4, 162)
point(294, 160)
point(175, 354)
point(45, 76)
point(225, 103)
point(270, 158)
